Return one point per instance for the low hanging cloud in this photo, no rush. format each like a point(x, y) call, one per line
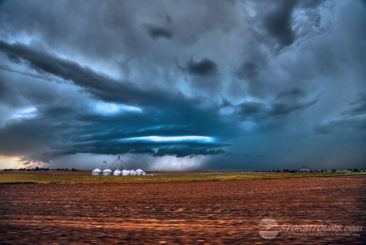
point(158, 32)
point(279, 22)
point(202, 67)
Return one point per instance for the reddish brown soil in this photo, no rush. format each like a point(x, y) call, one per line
point(190, 212)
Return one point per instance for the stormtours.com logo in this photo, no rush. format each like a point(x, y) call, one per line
point(269, 229)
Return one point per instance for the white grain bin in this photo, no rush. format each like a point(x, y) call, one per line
point(306, 170)
point(96, 172)
point(139, 172)
point(125, 172)
point(107, 172)
point(132, 172)
point(117, 172)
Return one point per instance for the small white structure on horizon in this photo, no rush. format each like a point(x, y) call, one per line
point(107, 172)
point(140, 172)
point(117, 172)
point(96, 172)
point(305, 170)
point(343, 170)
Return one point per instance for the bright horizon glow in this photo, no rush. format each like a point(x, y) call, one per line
point(9, 162)
point(112, 108)
point(187, 138)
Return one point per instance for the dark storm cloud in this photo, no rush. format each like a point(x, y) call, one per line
point(102, 134)
point(358, 106)
point(105, 135)
point(263, 75)
point(157, 31)
point(69, 130)
point(5, 68)
point(25, 137)
point(357, 125)
point(353, 119)
point(202, 68)
point(260, 112)
point(278, 22)
point(310, 3)
point(182, 151)
point(295, 92)
point(248, 70)
point(99, 85)
point(155, 149)
point(279, 109)
point(250, 109)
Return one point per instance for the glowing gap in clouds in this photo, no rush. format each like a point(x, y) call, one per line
point(26, 113)
point(163, 139)
point(112, 108)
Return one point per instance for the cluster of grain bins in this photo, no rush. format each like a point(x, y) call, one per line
point(117, 172)
point(119, 163)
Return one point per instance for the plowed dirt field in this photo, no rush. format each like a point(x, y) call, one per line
point(211, 212)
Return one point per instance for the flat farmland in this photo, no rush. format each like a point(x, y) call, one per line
point(78, 177)
point(182, 212)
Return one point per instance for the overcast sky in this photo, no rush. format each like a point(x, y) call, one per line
point(183, 85)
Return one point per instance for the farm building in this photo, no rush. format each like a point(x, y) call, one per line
point(140, 172)
point(107, 172)
point(96, 171)
point(306, 170)
point(117, 172)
